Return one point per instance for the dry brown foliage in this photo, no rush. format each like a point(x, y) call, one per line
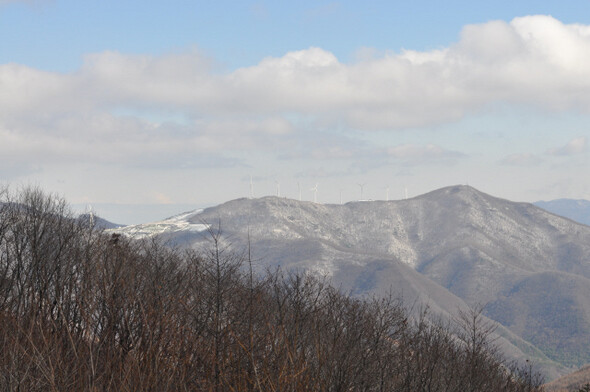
point(83, 311)
point(575, 381)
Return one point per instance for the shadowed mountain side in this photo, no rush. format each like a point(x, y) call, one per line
point(550, 310)
point(381, 277)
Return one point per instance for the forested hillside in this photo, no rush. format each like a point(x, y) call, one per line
point(81, 310)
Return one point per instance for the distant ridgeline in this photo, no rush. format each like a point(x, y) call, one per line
point(577, 210)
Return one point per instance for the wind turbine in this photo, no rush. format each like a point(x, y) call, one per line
point(362, 186)
point(387, 194)
point(340, 196)
point(315, 193)
point(299, 189)
point(251, 188)
point(278, 188)
point(90, 215)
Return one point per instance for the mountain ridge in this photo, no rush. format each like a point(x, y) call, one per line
point(575, 209)
point(450, 247)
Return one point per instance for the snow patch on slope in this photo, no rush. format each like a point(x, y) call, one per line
point(174, 224)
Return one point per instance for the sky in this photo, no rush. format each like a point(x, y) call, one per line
point(141, 108)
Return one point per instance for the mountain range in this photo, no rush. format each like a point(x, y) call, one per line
point(575, 209)
point(448, 249)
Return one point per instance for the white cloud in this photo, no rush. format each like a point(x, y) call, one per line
point(105, 139)
point(533, 60)
point(573, 147)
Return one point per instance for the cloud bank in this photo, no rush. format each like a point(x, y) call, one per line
point(124, 107)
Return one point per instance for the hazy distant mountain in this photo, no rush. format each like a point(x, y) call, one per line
point(449, 247)
point(99, 222)
point(131, 214)
point(578, 210)
point(85, 217)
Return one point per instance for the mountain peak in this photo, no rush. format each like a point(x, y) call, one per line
point(462, 190)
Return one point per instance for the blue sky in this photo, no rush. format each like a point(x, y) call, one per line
point(54, 35)
point(180, 102)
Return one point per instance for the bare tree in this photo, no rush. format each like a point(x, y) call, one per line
point(82, 310)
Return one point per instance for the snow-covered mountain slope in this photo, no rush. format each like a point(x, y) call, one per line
point(174, 225)
point(449, 247)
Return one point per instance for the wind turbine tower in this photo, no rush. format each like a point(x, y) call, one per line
point(278, 188)
point(362, 186)
point(315, 193)
point(387, 194)
point(299, 189)
point(251, 188)
point(90, 215)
